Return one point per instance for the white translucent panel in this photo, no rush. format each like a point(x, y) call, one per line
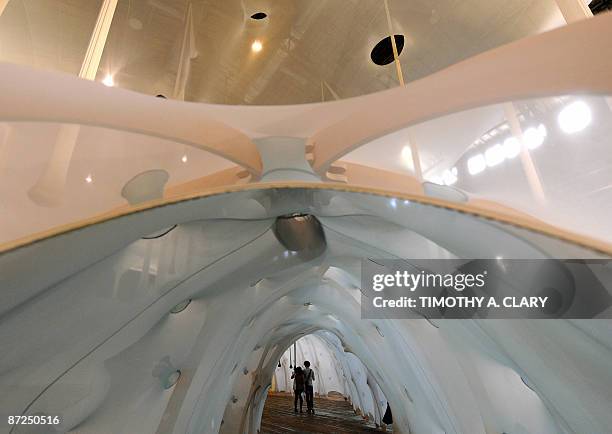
point(574, 169)
point(563, 178)
point(437, 142)
point(44, 183)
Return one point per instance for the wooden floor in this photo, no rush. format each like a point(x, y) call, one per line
point(332, 416)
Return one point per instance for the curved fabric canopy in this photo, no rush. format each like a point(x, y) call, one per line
point(116, 292)
point(158, 259)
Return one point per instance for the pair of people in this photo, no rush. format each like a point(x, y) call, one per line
point(302, 383)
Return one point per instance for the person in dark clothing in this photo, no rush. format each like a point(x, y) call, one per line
point(388, 417)
point(308, 379)
point(298, 387)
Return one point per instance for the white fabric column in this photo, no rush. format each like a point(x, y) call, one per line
point(400, 77)
point(284, 159)
point(188, 53)
point(49, 188)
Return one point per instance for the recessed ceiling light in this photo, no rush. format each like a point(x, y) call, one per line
point(476, 164)
point(534, 137)
point(382, 53)
point(256, 46)
point(575, 117)
point(108, 81)
point(184, 158)
point(512, 147)
point(495, 155)
point(259, 15)
point(449, 177)
point(89, 179)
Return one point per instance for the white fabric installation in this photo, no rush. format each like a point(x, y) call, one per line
point(167, 310)
point(118, 313)
point(337, 371)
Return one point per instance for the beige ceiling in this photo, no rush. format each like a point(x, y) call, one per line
point(49, 34)
point(313, 50)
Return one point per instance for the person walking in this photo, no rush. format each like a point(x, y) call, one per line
point(309, 377)
point(298, 387)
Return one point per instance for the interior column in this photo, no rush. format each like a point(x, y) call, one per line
point(49, 188)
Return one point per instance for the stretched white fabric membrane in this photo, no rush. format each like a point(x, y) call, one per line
point(171, 315)
point(93, 325)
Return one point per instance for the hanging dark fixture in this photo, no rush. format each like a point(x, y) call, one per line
point(382, 53)
point(599, 6)
point(290, 363)
point(279, 365)
point(301, 233)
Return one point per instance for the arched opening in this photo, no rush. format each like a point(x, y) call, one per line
point(345, 393)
